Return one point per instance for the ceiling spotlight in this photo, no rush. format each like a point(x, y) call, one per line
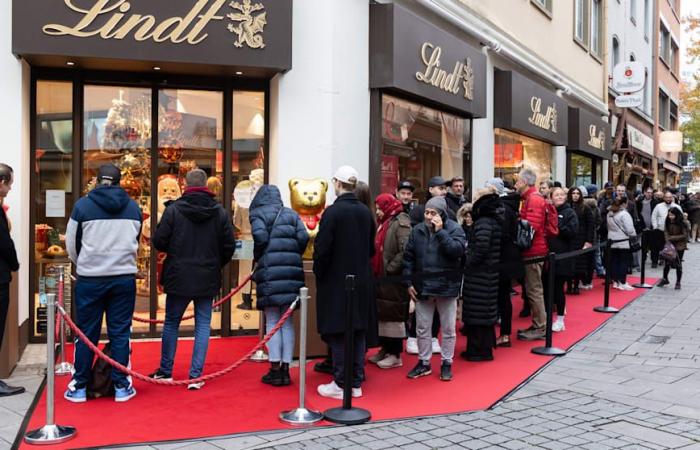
point(239, 73)
point(156, 68)
point(70, 63)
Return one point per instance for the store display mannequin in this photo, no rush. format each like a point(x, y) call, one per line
point(243, 195)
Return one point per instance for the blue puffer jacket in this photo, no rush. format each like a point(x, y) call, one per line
point(278, 249)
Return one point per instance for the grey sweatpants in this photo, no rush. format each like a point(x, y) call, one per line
point(447, 309)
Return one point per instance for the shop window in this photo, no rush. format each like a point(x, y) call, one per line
point(581, 170)
point(514, 152)
point(53, 192)
point(597, 28)
point(420, 143)
point(248, 174)
point(581, 8)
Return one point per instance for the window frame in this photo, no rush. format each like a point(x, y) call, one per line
point(664, 38)
point(664, 110)
point(597, 53)
point(545, 8)
point(633, 12)
point(583, 41)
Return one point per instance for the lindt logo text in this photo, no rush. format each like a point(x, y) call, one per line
point(461, 77)
point(546, 120)
point(597, 139)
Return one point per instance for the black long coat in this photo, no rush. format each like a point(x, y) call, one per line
point(512, 264)
point(585, 233)
point(8, 254)
point(344, 246)
point(197, 235)
point(480, 307)
point(563, 242)
point(280, 240)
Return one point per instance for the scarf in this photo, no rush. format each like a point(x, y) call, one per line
point(391, 207)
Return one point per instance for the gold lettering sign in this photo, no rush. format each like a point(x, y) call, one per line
point(189, 29)
point(597, 139)
point(547, 120)
point(461, 77)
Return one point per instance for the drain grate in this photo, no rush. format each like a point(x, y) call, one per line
point(649, 339)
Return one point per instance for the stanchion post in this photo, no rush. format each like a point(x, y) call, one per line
point(63, 367)
point(260, 355)
point(347, 415)
point(301, 415)
point(606, 308)
point(548, 349)
point(50, 433)
point(645, 244)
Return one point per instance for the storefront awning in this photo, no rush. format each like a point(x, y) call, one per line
point(215, 37)
point(670, 165)
point(589, 133)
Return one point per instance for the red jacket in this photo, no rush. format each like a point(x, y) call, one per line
point(533, 210)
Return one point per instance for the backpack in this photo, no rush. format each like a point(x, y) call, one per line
point(100, 383)
point(524, 234)
point(551, 220)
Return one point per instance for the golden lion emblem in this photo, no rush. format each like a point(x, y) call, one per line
point(250, 27)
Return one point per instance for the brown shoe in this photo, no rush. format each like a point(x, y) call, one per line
point(503, 341)
point(536, 334)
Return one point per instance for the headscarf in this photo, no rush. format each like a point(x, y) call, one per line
point(391, 207)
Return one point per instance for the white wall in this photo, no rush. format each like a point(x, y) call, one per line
point(14, 129)
point(483, 138)
point(319, 110)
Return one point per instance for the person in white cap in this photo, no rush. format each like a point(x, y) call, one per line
point(344, 246)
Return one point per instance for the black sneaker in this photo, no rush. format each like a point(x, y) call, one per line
point(446, 371)
point(525, 312)
point(678, 286)
point(160, 375)
point(421, 370)
point(325, 366)
point(663, 282)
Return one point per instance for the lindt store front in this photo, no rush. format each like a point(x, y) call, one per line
point(590, 143)
point(427, 82)
point(158, 88)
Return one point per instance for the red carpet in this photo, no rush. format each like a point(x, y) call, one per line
point(239, 402)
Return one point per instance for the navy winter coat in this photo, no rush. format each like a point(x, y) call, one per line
point(427, 251)
point(278, 249)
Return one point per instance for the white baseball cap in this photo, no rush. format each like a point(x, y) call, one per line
point(346, 174)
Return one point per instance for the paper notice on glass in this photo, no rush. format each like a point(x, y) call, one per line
point(55, 203)
point(244, 250)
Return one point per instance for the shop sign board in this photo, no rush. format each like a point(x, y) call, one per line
point(671, 141)
point(589, 133)
point(525, 106)
point(411, 55)
point(244, 33)
point(629, 77)
point(629, 101)
point(640, 141)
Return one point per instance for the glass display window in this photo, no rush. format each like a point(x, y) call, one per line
point(581, 170)
point(419, 143)
point(514, 152)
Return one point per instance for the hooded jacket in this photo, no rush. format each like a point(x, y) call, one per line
point(196, 233)
point(102, 236)
point(428, 251)
point(480, 307)
point(280, 240)
point(8, 254)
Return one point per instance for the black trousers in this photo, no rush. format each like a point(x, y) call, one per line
point(337, 344)
point(679, 267)
point(391, 346)
point(654, 243)
point(505, 305)
point(4, 306)
point(559, 296)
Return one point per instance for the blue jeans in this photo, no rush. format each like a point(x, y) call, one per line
point(94, 297)
point(281, 345)
point(599, 267)
point(175, 307)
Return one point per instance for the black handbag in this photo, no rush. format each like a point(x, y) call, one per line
point(524, 234)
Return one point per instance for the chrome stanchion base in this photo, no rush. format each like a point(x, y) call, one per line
point(64, 368)
point(642, 285)
point(606, 309)
point(301, 416)
point(351, 416)
point(50, 434)
point(260, 356)
point(548, 351)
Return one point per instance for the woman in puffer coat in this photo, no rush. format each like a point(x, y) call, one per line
point(675, 232)
point(583, 265)
point(480, 307)
point(561, 243)
point(280, 240)
point(393, 231)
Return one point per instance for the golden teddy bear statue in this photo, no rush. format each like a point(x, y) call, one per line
point(308, 198)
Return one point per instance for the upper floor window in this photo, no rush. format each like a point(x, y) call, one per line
point(581, 22)
point(633, 11)
point(647, 19)
point(664, 43)
point(544, 5)
point(597, 28)
point(615, 52)
point(673, 115)
point(664, 110)
point(673, 56)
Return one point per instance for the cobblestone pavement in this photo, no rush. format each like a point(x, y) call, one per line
point(633, 384)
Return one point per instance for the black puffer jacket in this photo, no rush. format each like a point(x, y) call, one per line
point(585, 233)
point(427, 251)
point(511, 259)
point(563, 242)
point(197, 235)
point(280, 240)
point(480, 306)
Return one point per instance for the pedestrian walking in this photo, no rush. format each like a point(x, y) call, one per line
point(658, 223)
point(583, 265)
point(436, 245)
point(344, 246)
point(564, 242)
point(102, 238)
point(197, 235)
point(675, 232)
point(393, 231)
point(694, 217)
point(650, 240)
point(8, 264)
point(280, 239)
point(620, 228)
point(480, 303)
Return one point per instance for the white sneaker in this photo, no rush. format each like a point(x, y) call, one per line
point(195, 386)
point(626, 287)
point(390, 362)
point(585, 287)
point(558, 326)
point(436, 346)
point(412, 346)
point(616, 285)
point(332, 390)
